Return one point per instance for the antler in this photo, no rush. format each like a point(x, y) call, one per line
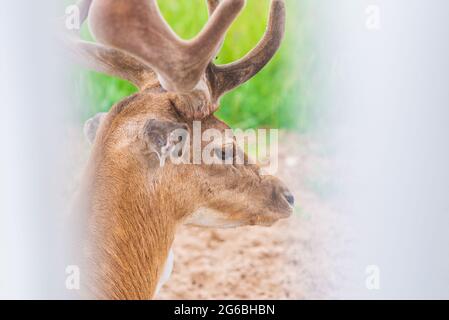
point(228, 77)
point(212, 5)
point(138, 27)
point(104, 59)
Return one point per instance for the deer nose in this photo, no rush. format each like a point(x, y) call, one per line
point(290, 198)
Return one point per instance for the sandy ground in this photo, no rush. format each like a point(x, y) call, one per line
point(295, 259)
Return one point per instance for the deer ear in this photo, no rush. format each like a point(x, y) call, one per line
point(164, 137)
point(91, 126)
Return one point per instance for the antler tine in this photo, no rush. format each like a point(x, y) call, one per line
point(138, 27)
point(212, 6)
point(84, 7)
point(106, 60)
point(207, 42)
point(227, 77)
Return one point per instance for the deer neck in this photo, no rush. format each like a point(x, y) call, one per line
point(130, 230)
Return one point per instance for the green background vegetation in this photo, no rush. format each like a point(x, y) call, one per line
point(278, 97)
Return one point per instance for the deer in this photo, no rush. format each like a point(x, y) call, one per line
point(129, 206)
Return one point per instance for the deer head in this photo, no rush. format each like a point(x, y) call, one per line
point(134, 203)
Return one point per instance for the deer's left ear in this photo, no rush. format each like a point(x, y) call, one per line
point(91, 126)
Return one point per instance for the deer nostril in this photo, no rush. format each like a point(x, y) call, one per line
point(290, 198)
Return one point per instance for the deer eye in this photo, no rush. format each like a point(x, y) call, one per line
point(225, 153)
